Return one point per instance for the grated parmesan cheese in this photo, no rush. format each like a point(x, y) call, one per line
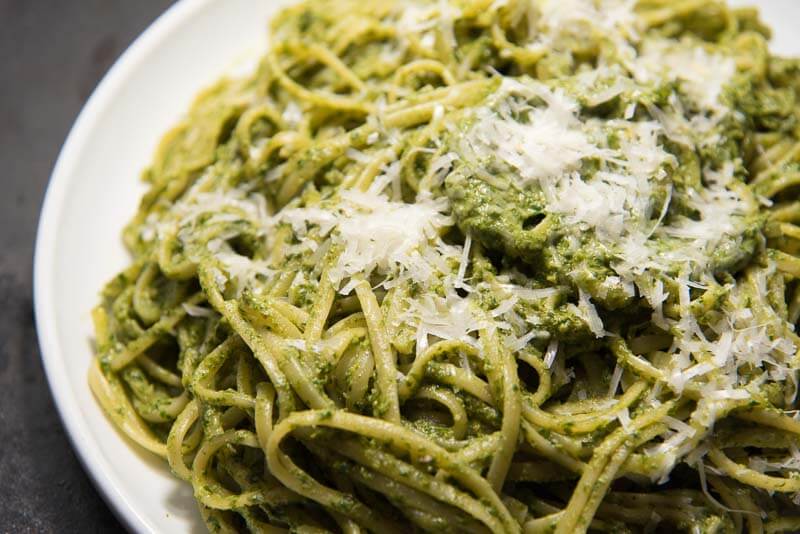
point(550, 354)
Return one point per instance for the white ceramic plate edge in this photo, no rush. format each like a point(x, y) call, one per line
point(86, 449)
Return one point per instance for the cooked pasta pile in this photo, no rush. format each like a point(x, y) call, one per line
point(475, 266)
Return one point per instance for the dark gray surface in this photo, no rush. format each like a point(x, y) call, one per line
point(52, 54)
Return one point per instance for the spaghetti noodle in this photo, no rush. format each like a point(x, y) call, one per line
point(475, 266)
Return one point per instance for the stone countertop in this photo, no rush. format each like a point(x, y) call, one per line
point(52, 55)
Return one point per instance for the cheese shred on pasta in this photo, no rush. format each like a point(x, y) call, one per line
point(475, 266)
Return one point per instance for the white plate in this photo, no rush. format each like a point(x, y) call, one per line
point(94, 190)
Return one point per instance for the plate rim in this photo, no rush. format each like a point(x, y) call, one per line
point(53, 359)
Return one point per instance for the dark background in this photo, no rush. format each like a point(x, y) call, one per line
point(52, 55)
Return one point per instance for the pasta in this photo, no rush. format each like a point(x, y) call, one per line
point(475, 266)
